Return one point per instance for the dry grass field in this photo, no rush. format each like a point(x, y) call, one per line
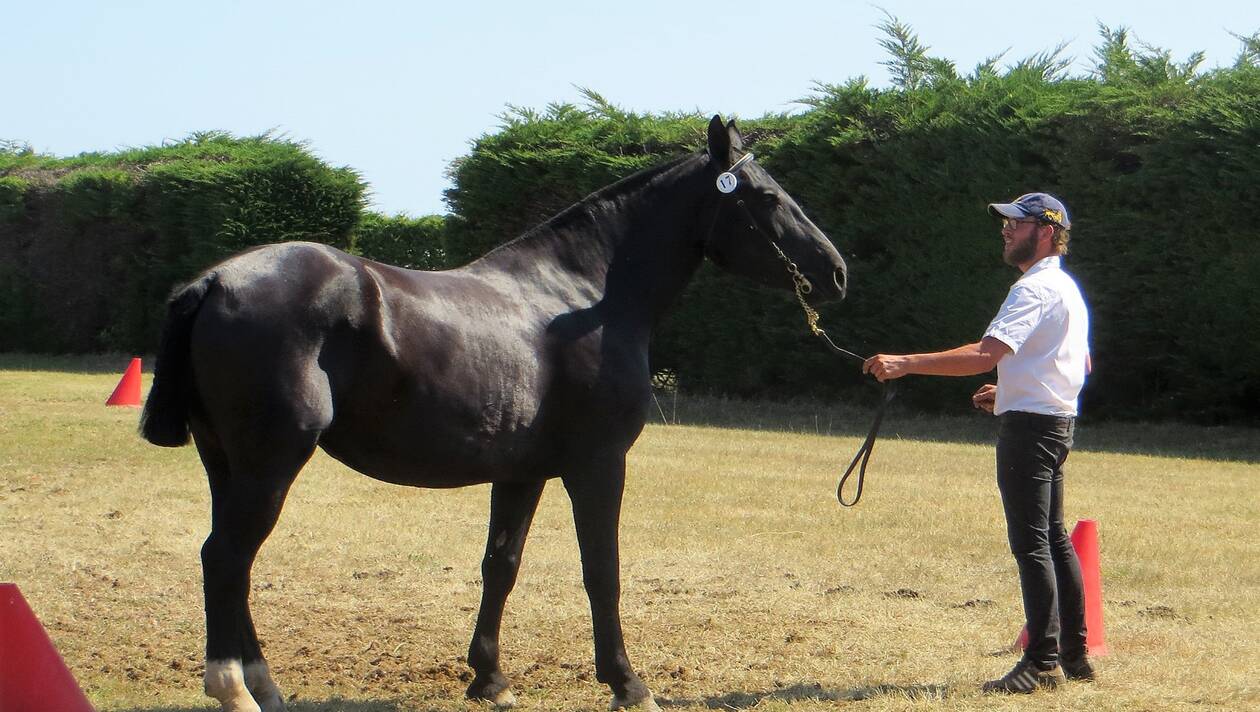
point(745, 586)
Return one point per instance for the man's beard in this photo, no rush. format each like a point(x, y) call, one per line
point(1020, 251)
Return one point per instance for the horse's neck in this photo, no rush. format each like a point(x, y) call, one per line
point(631, 250)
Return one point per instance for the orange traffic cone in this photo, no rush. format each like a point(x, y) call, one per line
point(128, 390)
point(1085, 541)
point(33, 676)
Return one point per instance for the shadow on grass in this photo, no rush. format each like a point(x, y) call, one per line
point(729, 701)
point(1236, 443)
point(810, 692)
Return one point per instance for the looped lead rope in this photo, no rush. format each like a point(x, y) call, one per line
point(864, 452)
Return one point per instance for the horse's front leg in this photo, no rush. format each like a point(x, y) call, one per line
point(512, 507)
point(596, 495)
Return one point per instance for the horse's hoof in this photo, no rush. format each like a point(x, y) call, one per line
point(502, 700)
point(272, 703)
point(239, 703)
point(260, 684)
point(496, 692)
point(642, 704)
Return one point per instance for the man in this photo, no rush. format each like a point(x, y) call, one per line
point(1039, 343)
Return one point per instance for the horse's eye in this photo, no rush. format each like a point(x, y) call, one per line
point(770, 200)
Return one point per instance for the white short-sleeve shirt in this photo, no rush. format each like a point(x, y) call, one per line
point(1046, 324)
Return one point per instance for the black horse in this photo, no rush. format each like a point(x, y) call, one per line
point(530, 363)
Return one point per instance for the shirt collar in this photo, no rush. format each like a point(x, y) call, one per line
point(1045, 263)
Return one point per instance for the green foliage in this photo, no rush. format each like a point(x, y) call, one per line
point(97, 193)
point(908, 61)
point(1250, 54)
point(97, 241)
point(12, 197)
point(15, 304)
point(414, 243)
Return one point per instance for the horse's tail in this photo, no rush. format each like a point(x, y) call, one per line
point(165, 418)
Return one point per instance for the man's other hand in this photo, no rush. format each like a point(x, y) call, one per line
point(985, 397)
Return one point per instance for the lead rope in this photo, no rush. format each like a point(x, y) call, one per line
point(802, 286)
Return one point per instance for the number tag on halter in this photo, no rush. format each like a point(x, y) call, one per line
point(727, 182)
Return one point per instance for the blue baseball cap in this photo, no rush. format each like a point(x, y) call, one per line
point(1042, 206)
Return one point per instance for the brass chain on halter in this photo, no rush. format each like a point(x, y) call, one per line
point(802, 286)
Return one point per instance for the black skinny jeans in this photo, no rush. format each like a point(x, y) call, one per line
point(1031, 451)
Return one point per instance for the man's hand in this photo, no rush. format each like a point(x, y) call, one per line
point(885, 367)
point(985, 397)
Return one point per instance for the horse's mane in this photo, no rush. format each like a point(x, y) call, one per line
point(610, 193)
point(632, 182)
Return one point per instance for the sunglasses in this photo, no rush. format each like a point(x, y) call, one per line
point(1013, 223)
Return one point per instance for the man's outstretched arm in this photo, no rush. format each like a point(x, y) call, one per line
point(968, 360)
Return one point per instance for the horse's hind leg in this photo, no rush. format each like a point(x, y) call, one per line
point(248, 487)
point(512, 507)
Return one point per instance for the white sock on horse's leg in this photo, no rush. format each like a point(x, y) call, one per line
point(225, 682)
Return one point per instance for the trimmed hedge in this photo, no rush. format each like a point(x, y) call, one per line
point(90, 246)
point(414, 243)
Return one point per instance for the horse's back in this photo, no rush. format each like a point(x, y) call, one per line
point(436, 379)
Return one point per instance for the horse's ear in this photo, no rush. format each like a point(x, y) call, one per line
point(719, 143)
point(737, 139)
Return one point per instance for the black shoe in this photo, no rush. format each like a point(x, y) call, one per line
point(1078, 668)
point(1024, 678)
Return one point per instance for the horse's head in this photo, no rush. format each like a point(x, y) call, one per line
point(755, 215)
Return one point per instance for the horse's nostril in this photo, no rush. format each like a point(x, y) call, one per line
point(840, 278)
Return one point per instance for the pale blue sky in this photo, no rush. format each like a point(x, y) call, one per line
point(396, 90)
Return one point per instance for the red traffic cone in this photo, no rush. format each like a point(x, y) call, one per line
point(1085, 542)
point(33, 677)
point(128, 390)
